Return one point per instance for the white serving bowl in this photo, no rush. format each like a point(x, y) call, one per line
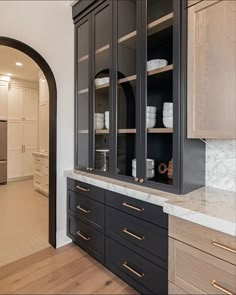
point(150, 164)
point(150, 109)
point(168, 122)
point(98, 125)
point(150, 116)
point(99, 115)
point(168, 106)
point(150, 123)
point(168, 113)
point(98, 120)
point(149, 173)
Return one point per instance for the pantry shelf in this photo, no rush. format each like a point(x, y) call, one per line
point(130, 131)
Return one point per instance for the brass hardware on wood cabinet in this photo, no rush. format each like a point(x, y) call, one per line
point(141, 180)
point(82, 236)
point(83, 210)
point(136, 179)
point(140, 275)
point(126, 231)
point(226, 291)
point(132, 207)
point(89, 169)
point(223, 247)
point(82, 189)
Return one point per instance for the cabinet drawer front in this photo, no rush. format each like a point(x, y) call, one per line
point(87, 237)
point(203, 238)
point(128, 264)
point(198, 272)
point(142, 234)
point(38, 160)
point(140, 209)
point(89, 210)
point(175, 290)
point(38, 168)
point(87, 190)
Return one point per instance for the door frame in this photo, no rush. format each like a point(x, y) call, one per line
point(41, 62)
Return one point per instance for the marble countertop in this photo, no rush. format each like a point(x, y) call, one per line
point(40, 154)
point(213, 208)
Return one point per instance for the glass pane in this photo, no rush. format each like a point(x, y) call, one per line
point(102, 88)
point(126, 92)
point(83, 96)
point(159, 110)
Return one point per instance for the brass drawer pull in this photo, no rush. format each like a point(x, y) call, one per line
point(39, 170)
point(82, 236)
point(223, 247)
point(214, 284)
point(140, 275)
point(132, 207)
point(83, 210)
point(126, 231)
point(83, 189)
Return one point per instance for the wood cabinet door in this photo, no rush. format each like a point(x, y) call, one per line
point(212, 70)
point(3, 100)
point(15, 103)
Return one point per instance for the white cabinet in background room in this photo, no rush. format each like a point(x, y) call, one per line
point(3, 99)
point(41, 172)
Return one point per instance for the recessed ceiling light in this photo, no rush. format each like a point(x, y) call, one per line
point(9, 74)
point(19, 64)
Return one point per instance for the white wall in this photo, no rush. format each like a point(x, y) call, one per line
point(47, 27)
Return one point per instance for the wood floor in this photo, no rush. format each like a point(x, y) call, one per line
point(23, 221)
point(67, 270)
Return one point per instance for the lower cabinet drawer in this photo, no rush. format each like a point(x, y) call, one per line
point(137, 271)
point(198, 272)
point(140, 233)
point(86, 237)
point(88, 210)
point(175, 290)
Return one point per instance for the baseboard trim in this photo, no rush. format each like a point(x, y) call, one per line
point(20, 178)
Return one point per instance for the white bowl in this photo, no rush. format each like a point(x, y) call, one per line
point(168, 113)
point(99, 120)
point(150, 116)
point(156, 64)
point(98, 125)
point(150, 109)
point(149, 173)
point(150, 164)
point(150, 123)
point(168, 106)
point(168, 122)
point(99, 115)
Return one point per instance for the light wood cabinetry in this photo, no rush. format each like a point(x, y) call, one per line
point(201, 260)
point(3, 99)
point(211, 70)
point(41, 173)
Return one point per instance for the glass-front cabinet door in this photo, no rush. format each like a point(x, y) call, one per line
point(82, 95)
point(158, 103)
point(126, 94)
point(102, 87)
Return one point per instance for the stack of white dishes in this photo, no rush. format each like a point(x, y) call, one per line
point(107, 120)
point(150, 116)
point(98, 121)
point(150, 168)
point(156, 64)
point(168, 114)
point(102, 81)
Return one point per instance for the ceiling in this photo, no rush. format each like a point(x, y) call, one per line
point(8, 58)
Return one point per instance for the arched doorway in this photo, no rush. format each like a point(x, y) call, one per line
point(5, 41)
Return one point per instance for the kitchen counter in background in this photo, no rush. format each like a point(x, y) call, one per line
point(213, 208)
point(40, 154)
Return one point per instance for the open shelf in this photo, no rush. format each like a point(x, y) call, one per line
point(133, 77)
point(128, 131)
point(153, 28)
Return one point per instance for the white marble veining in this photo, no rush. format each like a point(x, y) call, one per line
point(209, 207)
point(40, 154)
point(221, 164)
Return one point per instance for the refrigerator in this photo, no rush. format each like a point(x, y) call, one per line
point(3, 152)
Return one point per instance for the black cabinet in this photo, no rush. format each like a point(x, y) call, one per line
point(130, 104)
point(129, 236)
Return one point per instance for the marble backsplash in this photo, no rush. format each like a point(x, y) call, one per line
point(221, 164)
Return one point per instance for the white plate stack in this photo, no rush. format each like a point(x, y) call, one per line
point(156, 64)
point(98, 121)
point(150, 168)
point(150, 116)
point(102, 81)
point(168, 114)
point(107, 120)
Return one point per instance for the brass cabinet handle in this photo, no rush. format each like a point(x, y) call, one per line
point(136, 179)
point(141, 180)
point(132, 207)
point(223, 247)
point(126, 231)
point(83, 210)
point(140, 275)
point(214, 284)
point(89, 169)
point(83, 189)
point(82, 236)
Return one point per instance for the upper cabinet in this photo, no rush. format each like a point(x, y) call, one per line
point(130, 121)
point(3, 99)
point(212, 70)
